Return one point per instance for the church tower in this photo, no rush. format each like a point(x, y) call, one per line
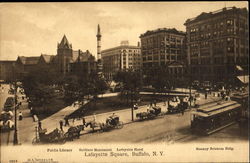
point(64, 54)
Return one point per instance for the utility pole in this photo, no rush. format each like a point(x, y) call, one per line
point(132, 106)
point(15, 141)
point(190, 84)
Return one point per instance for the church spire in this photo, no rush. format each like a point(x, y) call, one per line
point(64, 43)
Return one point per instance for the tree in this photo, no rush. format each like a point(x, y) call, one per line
point(38, 85)
point(159, 78)
point(130, 82)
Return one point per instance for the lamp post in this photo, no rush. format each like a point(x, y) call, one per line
point(15, 141)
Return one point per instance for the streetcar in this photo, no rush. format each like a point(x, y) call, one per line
point(243, 99)
point(211, 118)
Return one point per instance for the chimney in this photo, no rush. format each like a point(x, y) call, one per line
point(139, 44)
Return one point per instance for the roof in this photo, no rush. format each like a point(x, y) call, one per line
point(244, 79)
point(28, 60)
point(216, 107)
point(165, 30)
point(84, 56)
point(205, 15)
point(47, 58)
point(231, 107)
point(64, 43)
point(121, 47)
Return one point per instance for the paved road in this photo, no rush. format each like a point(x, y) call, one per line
point(26, 129)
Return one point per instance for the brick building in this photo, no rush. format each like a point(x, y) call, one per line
point(121, 57)
point(218, 42)
point(164, 47)
point(84, 64)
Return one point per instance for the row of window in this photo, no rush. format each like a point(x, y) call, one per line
point(220, 60)
point(149, 58)
point(218, 25)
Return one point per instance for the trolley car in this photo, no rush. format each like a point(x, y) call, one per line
point(211, 118)
point(243, 99)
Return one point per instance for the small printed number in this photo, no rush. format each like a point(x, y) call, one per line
point(13, 161)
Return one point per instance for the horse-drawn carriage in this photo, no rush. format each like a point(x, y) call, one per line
point(149, 114)
point(112, 122)
point(74, 132)
point(56, 136)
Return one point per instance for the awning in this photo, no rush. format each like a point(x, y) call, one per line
point(244, 79)
point(239, 68)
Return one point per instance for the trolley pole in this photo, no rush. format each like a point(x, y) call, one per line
point(190, 84)
point(132, 107)
point(15, 141)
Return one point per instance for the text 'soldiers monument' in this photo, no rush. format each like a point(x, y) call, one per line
point(99, 57)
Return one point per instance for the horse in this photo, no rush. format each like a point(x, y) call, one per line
point(94, 124)
point(74, 131)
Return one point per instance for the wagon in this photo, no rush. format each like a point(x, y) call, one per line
point(112, 123)
point(149, 114)
point(56, 136)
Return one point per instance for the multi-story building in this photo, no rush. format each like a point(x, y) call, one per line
point(84, 64)
point(122, 57)
point(218, 42)
point(7, 70)
point(164, 47)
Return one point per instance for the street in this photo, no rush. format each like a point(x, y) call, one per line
point(170, 128)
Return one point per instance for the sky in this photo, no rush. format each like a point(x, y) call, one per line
point(29, 29)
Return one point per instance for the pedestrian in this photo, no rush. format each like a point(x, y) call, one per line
point(83, 121)
point(39, 125)
point(205, 95)
point(154, 102)
point(94, 117)
point(66, 121)
point(31, 110)
point(61, 125)
point(135, 106)
point(194, 101)
point(182, 111)
point(20, 115)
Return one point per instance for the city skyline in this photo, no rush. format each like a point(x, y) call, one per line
point(21, 23)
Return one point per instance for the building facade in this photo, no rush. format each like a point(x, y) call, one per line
point(164, 47)
point(84, 64)
point(217, 42)
point(122, 57)
point(7, 70)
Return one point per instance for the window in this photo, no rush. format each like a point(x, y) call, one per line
point(194, 61)
point(230, 59)
point(230, 49)
point(156, 57)
point(218, 60)
point(229, 22)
